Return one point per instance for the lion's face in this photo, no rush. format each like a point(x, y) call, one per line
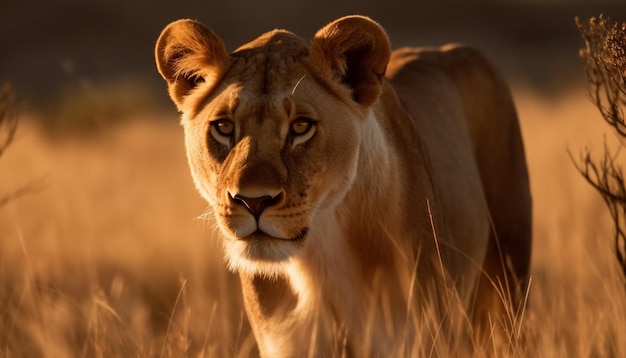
point(268, 150)
point(272, 136)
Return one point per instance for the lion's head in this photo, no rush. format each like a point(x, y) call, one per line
point(273, 130)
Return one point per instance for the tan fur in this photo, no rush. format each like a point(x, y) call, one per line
point(405, 185)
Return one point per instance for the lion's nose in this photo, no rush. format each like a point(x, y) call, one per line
point(256, 205)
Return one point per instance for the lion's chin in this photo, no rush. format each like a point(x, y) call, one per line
point(262, 254)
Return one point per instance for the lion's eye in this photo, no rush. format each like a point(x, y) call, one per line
point(225, 127)
point(302, 129)
point(301, 126)
point(223, 130)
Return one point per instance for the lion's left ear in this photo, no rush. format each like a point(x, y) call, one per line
point(354, 50)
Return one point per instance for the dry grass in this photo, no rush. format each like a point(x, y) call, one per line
point(94, 264)
point(108, 260)
point(577, 301)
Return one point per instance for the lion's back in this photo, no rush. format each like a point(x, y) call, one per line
point(463, 74)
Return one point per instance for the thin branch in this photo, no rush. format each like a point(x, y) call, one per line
point(32, 187)
point(8, 117)
point(607, 178)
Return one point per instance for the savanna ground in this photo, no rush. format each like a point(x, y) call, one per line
point(108, 254)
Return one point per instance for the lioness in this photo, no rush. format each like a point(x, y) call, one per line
point(351, 183)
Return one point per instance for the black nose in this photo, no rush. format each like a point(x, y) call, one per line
point(256, 205)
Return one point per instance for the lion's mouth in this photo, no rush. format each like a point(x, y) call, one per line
point(260, 248)
point(262, 236)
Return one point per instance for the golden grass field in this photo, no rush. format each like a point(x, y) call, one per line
point(108, 255)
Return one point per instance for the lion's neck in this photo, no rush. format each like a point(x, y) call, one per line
point(320, 298)
point(372, 213)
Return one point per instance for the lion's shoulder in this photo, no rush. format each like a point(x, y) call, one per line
point(450, 58)
point(454, 73)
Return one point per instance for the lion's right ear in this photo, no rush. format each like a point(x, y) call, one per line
point(187, 53)
point(354, 50)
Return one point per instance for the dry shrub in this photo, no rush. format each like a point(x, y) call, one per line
point(604, 59)
point(9, 115)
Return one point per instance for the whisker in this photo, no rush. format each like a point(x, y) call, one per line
point(293, 91)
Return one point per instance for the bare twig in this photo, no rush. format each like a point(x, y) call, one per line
point(607, 178)
point(8, 117)
point(30, 188)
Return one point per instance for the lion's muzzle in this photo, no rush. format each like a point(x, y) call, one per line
point(256, 206)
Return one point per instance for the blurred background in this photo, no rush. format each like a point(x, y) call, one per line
point(101, 51)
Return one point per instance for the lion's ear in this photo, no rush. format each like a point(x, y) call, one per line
point(354, 50)
point(187, 53)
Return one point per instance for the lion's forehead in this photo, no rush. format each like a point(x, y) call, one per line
point(263, 118)
point(260, 86)
point(269, 65)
